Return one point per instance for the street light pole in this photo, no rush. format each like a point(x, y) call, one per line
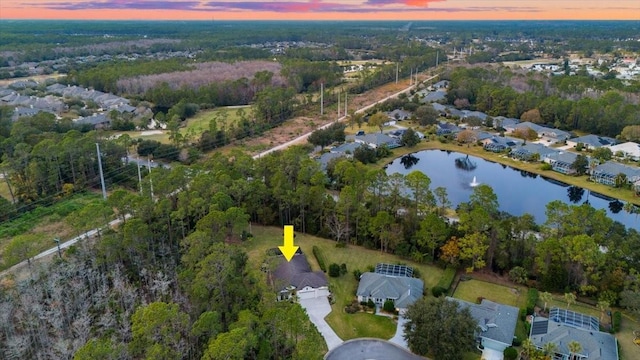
point(57, 241)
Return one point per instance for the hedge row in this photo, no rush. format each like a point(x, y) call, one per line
point(532, 299)
point(320, 258)
point(447, 278)
point(617, 321)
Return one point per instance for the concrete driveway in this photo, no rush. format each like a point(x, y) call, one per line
point(317, 309)
point(398, 338)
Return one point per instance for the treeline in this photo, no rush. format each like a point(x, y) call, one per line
point(567, 102)
point(45, 159)
point(105, 76)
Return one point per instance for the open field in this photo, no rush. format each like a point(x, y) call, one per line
point(529, 63)
point(225, 116)
point(347, 326)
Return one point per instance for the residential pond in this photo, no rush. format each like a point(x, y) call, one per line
point(518, 191)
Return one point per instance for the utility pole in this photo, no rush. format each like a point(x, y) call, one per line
point(345, 103)
point(338, 104)
point(104, 189)
point(411, 77)
point(57, 241)
point(437, 54)
point(321, 98)
point(139, 178)
point(397, 70)
point(150, 180)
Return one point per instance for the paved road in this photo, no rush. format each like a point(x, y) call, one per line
point(370, 349)
point(318, 309)
point(66, 244)
point(303, 137)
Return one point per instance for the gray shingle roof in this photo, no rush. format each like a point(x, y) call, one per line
point(297, 272)
point(403, 290)
point(613, 168)
point(594, 140)
point(496, 321)
point(595, 345)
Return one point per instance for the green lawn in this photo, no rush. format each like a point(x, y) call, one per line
point(347, 326)
point(470, 290)
point(226, 116)
point(351, 326)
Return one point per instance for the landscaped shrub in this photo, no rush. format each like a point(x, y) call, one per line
point(343, 269)
point(356, 274)
point(546, 166)
point(532, 298)
point(516, 341)
point(447, 278)
point(371, 304)
point(479, 299)
point(352, 308)
point(510, 353)
point(617, 321)
point(334, 270)
point(319, 258)
point(389, 306)
point(438, 291)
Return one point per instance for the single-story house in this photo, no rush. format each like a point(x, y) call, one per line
point(431, 96)
point(479, 114)
point(442, 84)
point(564, 327)
point(499, 143)
point(444, 128)
point(496, 323)
point(390, 282)
point(295, 279)
point(377, 139)
point(346, 148)
point(528, 152)
point(326, 158)
point(629, 149)
point(399, 132)
point(20, 112)
point(399, 114)
point(99, 121)
point(504, 122)
point(607, 172)
point(591, 141)
point(561, 161)
point(545, 133)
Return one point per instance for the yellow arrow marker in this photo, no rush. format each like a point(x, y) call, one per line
point(288, 250)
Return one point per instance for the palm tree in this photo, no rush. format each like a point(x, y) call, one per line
point(549, 349)
point(570, 298)
point(603, 305)
point(574, 348)
point(546, 297)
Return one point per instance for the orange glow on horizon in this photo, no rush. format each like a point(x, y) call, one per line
point(21, 13)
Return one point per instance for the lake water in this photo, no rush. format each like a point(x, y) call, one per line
point(518, 192)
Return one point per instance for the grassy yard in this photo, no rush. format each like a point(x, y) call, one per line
point(347, 326)
point(470, 290)
point(200, 122)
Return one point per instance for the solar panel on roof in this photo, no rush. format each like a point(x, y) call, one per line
point(539, 327)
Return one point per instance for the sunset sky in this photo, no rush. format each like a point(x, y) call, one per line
point(320, 9)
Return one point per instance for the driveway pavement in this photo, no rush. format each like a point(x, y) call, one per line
point(317, 309)
point(398, 338)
